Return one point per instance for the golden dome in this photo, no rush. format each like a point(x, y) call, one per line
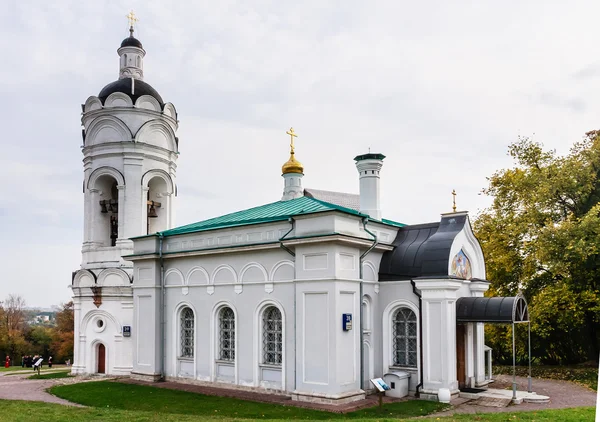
point(292, 166)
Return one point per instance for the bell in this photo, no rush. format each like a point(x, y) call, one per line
point(103, 209)
point(152, 212)
point(114, 205)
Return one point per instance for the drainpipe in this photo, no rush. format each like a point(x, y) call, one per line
point(288, 250)
point(360, 298)
point(163, 333)
point(420, 385)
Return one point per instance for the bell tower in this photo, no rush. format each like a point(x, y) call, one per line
point(130, 152)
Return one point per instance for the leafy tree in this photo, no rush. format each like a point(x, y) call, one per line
point(63, 337)
point(541, 236)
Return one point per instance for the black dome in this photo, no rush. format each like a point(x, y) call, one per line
point(131, 42)
point(124, 86)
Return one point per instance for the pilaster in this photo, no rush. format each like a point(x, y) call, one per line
point(439, 334)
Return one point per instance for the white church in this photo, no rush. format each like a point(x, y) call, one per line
point(310, 296)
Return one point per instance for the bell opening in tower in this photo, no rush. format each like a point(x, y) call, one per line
point(156, 215)
point(106, 232)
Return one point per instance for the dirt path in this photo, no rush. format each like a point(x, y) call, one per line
point(18, 387)
point(562, 394)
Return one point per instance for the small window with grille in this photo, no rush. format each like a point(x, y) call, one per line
point(404, 336)
point(187, 333)
point(272, 336)
point(226, 334)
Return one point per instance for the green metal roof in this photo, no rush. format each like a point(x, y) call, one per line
point(275, 211)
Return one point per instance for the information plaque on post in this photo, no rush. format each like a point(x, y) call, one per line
point(381, 387)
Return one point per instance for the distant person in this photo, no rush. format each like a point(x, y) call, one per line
point(22, 361)
point(7, 361)
point(38, 364)
point(50, 362)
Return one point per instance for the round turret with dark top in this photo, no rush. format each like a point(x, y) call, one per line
point(125, 86)
point(131, 41)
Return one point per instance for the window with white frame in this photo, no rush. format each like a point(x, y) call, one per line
point(272, 336)
point(186, 333)
point(226, 334)
point(404, 337)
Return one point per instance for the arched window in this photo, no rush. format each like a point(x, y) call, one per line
point(226, 334)
point(272, 334)
point(187, 333)
point(404, 337)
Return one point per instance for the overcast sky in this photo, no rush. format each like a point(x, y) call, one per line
point(441, 88)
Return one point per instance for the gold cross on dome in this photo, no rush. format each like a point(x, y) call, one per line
point(131, 18)
point(292, 136)
point(453, 200)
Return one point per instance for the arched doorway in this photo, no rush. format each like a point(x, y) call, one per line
point(101, 359)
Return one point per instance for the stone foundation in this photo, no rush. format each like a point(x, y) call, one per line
point(227, 386)
point(334, 399)
point(145, 377)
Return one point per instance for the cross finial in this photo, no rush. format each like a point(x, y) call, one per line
point(292, 136)
point(453, 200)
point(132, 20)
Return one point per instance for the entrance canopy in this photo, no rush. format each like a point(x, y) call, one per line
point(492, 309)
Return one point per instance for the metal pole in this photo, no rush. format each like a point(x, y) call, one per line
point(529, 340)
point(514, 384)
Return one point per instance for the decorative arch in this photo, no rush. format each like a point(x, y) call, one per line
point(370, 356)
point(118, 99)
point(387, 315)
point(84, 278)
point(158, 133)
point(225, 268)
point(169, 110)
point(99, 312)
point(105, 275)
point(115, 131)
point(148, 102)
point(279, 265)
point(246, 277)
point(150, 174)
point(369, 271)
point(92, 103)
point(258, 313)
point(103, 171)
point(466, 241)
point(176, 276)
point(200, 270)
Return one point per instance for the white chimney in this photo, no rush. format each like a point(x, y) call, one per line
point(368, 166)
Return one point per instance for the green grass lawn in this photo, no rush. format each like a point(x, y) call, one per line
point(22, 411)
point(50, 375)
point(586, 375)
point(20, 368)
point(115, 395)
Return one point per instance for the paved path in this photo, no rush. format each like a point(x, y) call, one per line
point(562, 394)
point(18, 387)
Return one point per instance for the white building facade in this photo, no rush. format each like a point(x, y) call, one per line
point(310, 296)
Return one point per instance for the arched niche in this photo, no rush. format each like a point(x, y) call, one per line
point(92, 103)
point(174, 277)
point(118, 99)
point(169, 110)
point(197, 276)
point(113, 277)
point(253, 272)
point(283, 271)
point(84, 278)
point(157, 133)
point(107, 129)
point(224, 274)
point(369, 272)
point(148, 102)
